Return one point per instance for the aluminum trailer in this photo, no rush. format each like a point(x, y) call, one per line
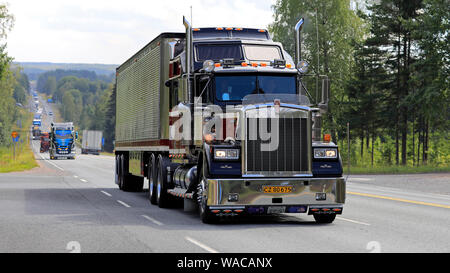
point(91, 142)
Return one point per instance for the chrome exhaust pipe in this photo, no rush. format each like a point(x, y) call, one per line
point(298, 47)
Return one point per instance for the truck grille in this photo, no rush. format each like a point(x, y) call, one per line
point(291, 155)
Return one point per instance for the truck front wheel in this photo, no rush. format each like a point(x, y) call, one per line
point(205, 214)
point(152, 176)
point(162, 197)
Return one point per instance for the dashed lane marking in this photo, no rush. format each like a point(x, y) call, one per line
point(197, 243)
point(105, 193)
point(152, 220)
point(124, 204)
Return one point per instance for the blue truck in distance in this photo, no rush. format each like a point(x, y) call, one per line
point(62, 140)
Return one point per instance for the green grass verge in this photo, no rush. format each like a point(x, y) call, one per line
point(396, 169)
point(24, 155)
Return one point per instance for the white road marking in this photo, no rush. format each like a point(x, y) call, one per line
point(54, 165)
point(352, 221)
point(50, 162)
point(105, 193)
point(205, 247)
point(152, 220)
point(75, 176)
point(83, 180)
point(124, 204)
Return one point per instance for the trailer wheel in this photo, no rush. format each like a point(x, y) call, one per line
point(116, 171)
point(120, 171)
point(324, 218)
point(128, 182)
point(152, 173)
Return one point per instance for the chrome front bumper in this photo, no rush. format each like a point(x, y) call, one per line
point(248, 192)
point(64, 155)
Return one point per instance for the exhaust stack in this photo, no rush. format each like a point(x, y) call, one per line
point(298, 48)
point(188, 27)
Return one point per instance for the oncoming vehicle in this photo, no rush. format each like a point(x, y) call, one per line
point(45, 142)
point(62, 140)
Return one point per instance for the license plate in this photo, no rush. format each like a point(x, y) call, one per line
point(277, 189)
point(276, 209)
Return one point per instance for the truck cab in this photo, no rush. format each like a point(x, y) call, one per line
point(62, 140)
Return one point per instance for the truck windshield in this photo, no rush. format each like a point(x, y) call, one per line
point(63, 133)
point(235, 88)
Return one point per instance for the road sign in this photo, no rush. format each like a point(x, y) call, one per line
point(15, 136)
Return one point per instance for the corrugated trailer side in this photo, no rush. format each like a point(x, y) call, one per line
point(142, 98)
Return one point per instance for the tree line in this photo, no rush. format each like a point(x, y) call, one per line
point(14, 85)
point(83, 98)
point(388, 64)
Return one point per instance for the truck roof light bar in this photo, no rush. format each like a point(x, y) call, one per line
point(279, 63)
point(227, 62)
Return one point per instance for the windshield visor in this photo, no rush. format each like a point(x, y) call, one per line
point(235, 88)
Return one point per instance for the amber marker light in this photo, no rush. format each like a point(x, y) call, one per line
point(208, 138)
point(217, 64)
point(244, 64)
point(326, 138)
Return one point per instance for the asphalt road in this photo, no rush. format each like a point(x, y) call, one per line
point(71, 205)
point(74, 206)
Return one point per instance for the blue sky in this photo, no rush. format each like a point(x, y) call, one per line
point(110, 31)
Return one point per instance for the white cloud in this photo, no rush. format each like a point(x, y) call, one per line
point(110, 31)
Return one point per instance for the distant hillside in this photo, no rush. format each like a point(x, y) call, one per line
point(34, 69)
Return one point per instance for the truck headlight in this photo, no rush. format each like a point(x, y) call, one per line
point(325, 153)
point(226, 154)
